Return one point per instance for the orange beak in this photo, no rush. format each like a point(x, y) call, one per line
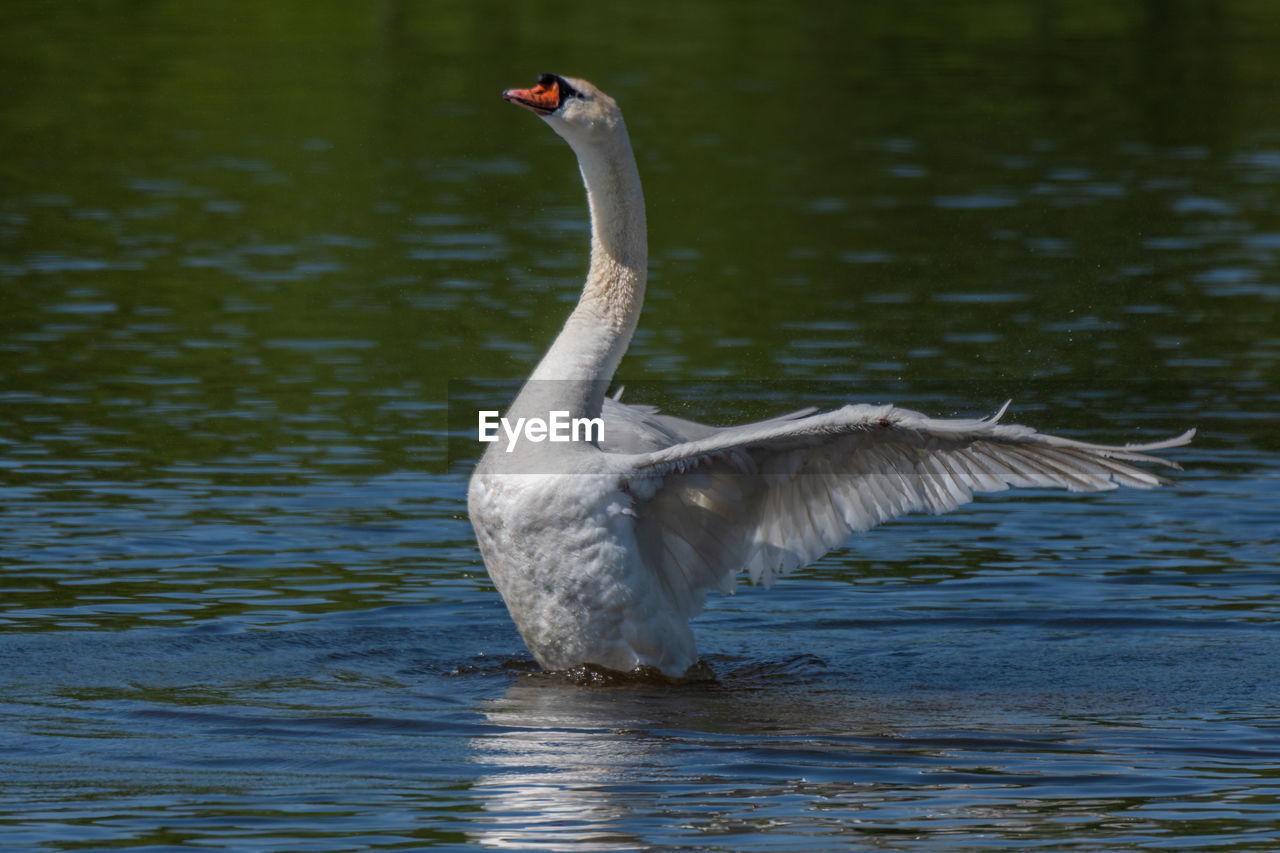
point(543, 99)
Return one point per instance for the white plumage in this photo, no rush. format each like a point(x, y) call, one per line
point(604, 552)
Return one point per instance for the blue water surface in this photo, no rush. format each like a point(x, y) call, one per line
point(259, 268)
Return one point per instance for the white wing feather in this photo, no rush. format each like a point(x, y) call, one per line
point(773, 496)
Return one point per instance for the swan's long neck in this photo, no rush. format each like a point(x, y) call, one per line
point(576, 370)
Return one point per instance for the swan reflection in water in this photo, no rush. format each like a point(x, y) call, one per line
point(566, 768)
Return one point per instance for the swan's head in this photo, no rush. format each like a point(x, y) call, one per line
point(574, 108)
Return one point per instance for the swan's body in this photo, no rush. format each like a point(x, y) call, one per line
point(603, 551)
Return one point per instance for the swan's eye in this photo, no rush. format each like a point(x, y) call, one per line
point(567, 91)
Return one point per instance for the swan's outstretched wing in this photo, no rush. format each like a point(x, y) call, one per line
point(773, 496)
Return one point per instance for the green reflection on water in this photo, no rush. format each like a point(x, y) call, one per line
point(190, 188)
point(268, 238)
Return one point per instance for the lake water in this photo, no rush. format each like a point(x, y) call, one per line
point(254, 260)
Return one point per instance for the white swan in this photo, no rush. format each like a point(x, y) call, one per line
point(603, 551)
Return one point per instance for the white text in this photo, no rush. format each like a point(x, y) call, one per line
point(557, 427)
